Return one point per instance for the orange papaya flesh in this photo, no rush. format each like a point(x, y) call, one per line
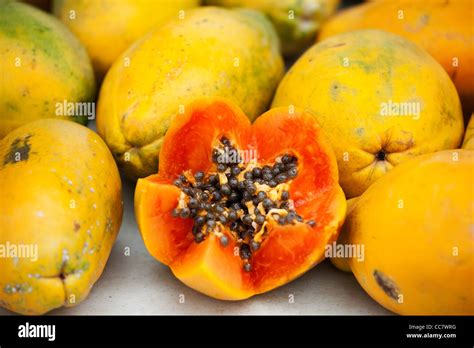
point(187, 213)
point(189, 140)
point(157, 200)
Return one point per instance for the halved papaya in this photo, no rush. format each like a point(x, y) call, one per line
point(239, 209)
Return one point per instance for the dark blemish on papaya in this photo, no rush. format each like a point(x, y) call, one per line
point(447, 114)
point(335, 87)
point(200, 21)
point(387, 285)
point(108, 225)
point(77, 226)
point(10, 106)
point(19, 150)
point(338, 45)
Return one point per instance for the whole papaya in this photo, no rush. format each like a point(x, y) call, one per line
point(415, 226)
point(210, 52)
point(60, 212)
point(42, 65)
point(380, 98)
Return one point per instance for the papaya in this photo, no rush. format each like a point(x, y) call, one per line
point(239, 209)
point(60, 212)
point(42, 66)
point(340, 262)
point(109, 27)
point(380, 99)
point(295, 21)
point(416, 227)
point(468, 142)
point(442, 28)
point(211, 52)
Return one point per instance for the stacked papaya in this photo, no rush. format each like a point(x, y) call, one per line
point(60, 202)
point(394, 119)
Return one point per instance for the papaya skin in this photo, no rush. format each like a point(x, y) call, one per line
point(287, 252)
point(198, 58)
point(442, 28)
point(416, 226)
point(296, 33)
point(117, 24)
point(346, 80)
point(42, 64)
point(66, 203)
point(468, 143)
point(341, 263)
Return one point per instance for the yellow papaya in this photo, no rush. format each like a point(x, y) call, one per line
point(60, 212)
point(415, 224)
point(211, 52)
point(380, 98)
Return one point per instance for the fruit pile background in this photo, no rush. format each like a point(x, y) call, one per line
point(133, 282)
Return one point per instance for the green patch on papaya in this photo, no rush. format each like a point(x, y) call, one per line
point(11, 107)
point(34, 33)
point(24, 23)
point(19, 150)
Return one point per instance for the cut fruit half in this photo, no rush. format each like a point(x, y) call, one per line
point(239, 209)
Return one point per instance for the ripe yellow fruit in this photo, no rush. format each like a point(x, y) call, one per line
point(380, 99)
point(211, 52)
point(61, 204)
point(416, 226)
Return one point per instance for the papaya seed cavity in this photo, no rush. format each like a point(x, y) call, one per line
point(238, 200)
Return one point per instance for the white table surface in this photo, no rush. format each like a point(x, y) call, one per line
point(138, 284)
